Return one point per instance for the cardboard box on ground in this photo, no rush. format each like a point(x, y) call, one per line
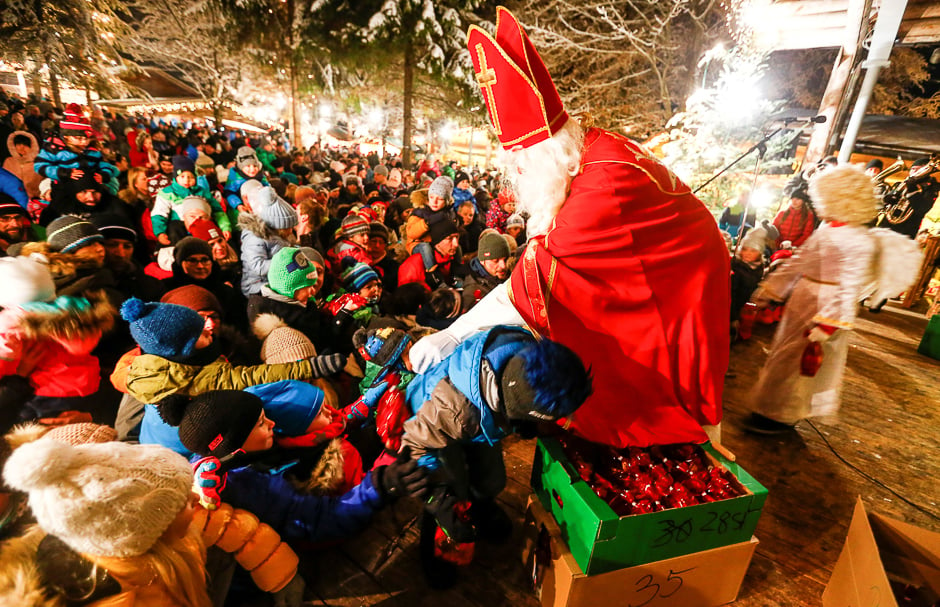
point(885, 563)
point(601, 541)
point(702, 579)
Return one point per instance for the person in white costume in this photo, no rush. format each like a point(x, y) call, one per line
point(822, 284)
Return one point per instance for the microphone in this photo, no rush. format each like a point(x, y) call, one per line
point(813, 119)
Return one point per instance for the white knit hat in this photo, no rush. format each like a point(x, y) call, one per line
point(108, 499)
point(195, 202)
point(24, 281)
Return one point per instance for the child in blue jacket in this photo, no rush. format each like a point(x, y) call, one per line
point(72, 153)
point(229, 430)
point(498, 382)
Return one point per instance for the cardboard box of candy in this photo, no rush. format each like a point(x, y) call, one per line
point(624, 508)
point(701, 579)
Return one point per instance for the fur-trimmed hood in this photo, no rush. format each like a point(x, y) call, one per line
point(249, 222)
point(67, 324)
point(20, 581)
point(328, 475)
point(64, 267)
point(33, 147)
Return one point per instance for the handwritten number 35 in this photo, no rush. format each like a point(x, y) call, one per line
point(670, 587)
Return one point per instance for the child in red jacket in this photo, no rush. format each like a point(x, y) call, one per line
point(45, 344)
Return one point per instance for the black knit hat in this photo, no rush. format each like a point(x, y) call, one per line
point(544, 381)
point(190, 246)
point(69, 233)
point(378, 230)
point(114, 226)
point(183, 164)
point(441, 230)
point(214, 423)
point(9, 206)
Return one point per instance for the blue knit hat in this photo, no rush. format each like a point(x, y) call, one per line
point(545, 381)
point(161, 329)
point(356, 274)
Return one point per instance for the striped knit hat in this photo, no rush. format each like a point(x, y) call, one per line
point(69, 233)
point(354, 224)
point(356, 274)
point(74, 122)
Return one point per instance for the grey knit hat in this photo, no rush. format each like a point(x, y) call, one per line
point(492, 246)
point(246, 156)
point(69, 233)
point(279, 214)
point(443, 186)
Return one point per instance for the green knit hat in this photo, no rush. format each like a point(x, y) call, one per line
point(290, 271)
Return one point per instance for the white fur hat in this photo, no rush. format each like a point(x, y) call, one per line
point(24, 281)
point(107, 499)
point(844, 193)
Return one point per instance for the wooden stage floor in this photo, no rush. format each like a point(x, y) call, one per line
point(888, 427)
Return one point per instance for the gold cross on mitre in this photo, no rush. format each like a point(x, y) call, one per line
point(486, 78)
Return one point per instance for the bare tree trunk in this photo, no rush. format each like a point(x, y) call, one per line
point(408, 93)
point(54, 85)
point(36, 81)
point(294, 105)
point(88, 96)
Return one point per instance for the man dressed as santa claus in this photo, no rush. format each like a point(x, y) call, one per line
point(623, 265)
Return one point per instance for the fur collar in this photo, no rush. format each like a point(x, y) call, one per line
point(60, 324)
point(327, 476)
point(249, 222)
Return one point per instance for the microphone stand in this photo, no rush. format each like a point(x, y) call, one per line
point(761, 147)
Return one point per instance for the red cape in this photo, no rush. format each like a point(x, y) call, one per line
point(634, 277)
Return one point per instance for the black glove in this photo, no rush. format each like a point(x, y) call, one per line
point(327, 364)
point(434, 279)
point(15, 391)
point(402, 477)
point(442, 505)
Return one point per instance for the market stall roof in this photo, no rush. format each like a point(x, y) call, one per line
point(801, 24)
point(892, 135)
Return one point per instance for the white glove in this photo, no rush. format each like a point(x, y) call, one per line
point(430, 350)
point(817, 334)
point(494, 309)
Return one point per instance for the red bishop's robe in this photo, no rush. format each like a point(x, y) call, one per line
point(634, 277)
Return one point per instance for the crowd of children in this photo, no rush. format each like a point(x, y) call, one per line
point(207, 340)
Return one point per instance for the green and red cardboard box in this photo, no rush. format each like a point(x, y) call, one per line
point(600, 541)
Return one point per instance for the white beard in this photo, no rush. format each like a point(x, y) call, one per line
point(540, 175)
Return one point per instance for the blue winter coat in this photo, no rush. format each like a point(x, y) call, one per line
point(312, 518)
point(464, 369)
point(233, 186)
point(462, 196)
point(11, 185)
point(259, 244)
point(54, 156)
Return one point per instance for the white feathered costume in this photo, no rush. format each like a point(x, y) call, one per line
point(839, 265)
